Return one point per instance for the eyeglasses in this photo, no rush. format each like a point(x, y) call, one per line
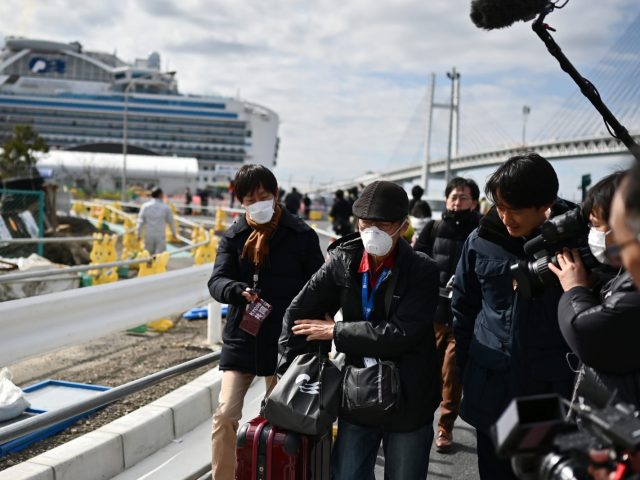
point(462, 198)
point(613, 252)
point(384, 226)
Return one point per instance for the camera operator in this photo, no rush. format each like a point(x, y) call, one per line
point(507, 344)
point(625, 221)
point(602, 328)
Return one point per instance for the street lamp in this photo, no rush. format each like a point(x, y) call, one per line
point(123, 186)
point(526, 110)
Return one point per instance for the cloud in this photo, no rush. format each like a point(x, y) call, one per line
point(216, 47)
point(348, 79)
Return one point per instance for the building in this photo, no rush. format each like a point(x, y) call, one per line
point(94, 101)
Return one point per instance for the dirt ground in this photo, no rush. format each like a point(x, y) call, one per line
point(112, 361)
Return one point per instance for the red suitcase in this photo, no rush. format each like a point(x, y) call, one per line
point(265, 452)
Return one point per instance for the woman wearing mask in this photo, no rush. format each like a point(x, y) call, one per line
point(594, 323)
point(264, 258)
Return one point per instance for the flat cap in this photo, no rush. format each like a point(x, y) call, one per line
point(383, 201)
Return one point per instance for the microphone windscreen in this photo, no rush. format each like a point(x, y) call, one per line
point(490, 14)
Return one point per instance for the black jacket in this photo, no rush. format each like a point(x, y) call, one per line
point(294, 255)
point(507, 345)
point(443, 240)
point(605, 333)
point(400, 328)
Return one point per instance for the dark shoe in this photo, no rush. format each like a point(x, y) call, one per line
point(444, 442)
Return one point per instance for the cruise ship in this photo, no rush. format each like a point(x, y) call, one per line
point(94, 101)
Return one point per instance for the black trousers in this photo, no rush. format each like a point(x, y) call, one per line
point(490, 466)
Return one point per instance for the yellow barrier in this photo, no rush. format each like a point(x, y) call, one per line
point(221, 217)
point(131, 246)
point(103, 251)
point(206, 253)
point(316, 215)
point(157, 264)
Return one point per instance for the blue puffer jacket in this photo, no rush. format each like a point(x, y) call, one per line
point(506, 345)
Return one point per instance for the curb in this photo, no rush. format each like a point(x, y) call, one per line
point(117, 446)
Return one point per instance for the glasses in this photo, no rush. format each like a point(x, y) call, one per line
point(462, 198)
point(384, 226)
point(613, 252)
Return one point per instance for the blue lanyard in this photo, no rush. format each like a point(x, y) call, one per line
point(367, 301)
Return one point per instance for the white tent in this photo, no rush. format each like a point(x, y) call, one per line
point(104, 170)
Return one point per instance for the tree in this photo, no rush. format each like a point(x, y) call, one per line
point(17, 157)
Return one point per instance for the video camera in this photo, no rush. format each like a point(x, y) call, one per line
point(543, 444)
point(567, 230)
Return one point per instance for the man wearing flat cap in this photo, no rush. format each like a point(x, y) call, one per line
point(388, 294)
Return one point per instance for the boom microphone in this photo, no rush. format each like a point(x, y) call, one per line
point(490, 14)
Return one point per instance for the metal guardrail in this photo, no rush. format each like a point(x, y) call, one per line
point(38, 274)
point(325, 233)
point(47, 240)
point(35, 325)
point(47, 419)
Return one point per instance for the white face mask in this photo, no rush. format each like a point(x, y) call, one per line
point(261, 212)
point(376, 242)
point(598, 244)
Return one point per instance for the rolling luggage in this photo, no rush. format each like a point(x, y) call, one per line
point(265, 452)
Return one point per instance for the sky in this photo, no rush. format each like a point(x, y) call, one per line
point(349, 79)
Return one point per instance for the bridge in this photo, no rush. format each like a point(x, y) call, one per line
point(575, 130)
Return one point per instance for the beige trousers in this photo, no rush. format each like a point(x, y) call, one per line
point(226, 421)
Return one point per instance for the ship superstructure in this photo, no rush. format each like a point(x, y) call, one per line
point(94, 101)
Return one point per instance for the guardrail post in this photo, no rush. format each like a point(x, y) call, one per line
point(214, 324)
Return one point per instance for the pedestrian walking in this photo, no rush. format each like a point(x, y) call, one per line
point(153, 218)
point(340, 214)
point(443, 240)
point(188, 198)
point(388, 295)
point(263, 260)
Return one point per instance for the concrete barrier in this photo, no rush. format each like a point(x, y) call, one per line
point(115, 447)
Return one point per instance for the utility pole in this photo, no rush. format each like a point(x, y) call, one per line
point(427, 144)
point(454, 76)
point(526, 110)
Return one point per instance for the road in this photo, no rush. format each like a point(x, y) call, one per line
point(460, 464)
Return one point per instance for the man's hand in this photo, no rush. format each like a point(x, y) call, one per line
point(248, 296)
point(315, 329)
point(572, 272)
point(605, 473)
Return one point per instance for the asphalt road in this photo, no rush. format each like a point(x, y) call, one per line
point(460, 464)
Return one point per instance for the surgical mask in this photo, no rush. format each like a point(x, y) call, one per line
point(261, 212)
point(376, 242)
point(597, 244)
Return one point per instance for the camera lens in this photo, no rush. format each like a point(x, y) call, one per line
point(560, 467)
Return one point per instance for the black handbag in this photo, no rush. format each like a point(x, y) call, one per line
point(370, 393)
point(305, 400)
